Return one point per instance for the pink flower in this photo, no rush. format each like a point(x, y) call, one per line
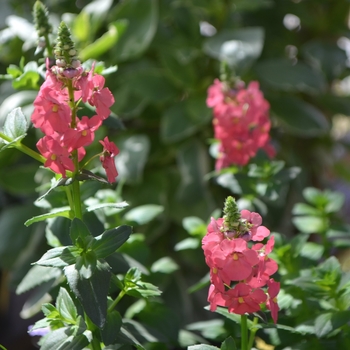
point(110, 150)
point(215, 298)
point(241, 122)
point(83, 134)
point(57, 157)
point(258, 232)
point(51, 112)
point(101, 97)
point(243, 299)
point(271, 304)
point(235, 258)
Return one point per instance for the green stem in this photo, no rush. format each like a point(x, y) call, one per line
point(244, 333)
point(69, 197)
point(24, 149)
point(76, 188)
point(253, 330)
point(76, 185)
point(95, 344)
point(116, 301)
point(48, 46)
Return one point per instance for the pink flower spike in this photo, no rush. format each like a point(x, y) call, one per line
point(110, 150)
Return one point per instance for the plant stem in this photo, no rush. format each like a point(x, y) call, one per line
point(48, 45)
point(76, 185)
point(116, 301)
point(253, 330)
point(244, 333)
point(76, 188)
point(24, 149)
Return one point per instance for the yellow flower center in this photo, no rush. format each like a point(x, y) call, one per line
point(84, 133)
point(240, 300)
point(53, 157)
point(235, 256)
point(54, 108)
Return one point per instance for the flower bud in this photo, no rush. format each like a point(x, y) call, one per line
point(41, 19)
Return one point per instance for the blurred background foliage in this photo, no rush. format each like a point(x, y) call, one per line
point(159, 57)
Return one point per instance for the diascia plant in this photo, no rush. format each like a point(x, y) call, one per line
point(240, 267)
point(84, 315)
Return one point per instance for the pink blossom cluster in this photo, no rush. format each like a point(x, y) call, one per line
point(241, 122)
point(55, 115)
point(238, 272)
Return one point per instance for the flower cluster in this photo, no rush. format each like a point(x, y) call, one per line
point(239, 270)
point(56, 106)
point(241, 122)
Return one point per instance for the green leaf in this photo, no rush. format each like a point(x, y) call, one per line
point(164, 265)
point(194, 226)
point(328, 322)
point(184, 118)
point(79, 230)
point(143, 20)
point(28, 80)
point(22, 99)
point(151, 84)
point(120, 205)
point(92, 292)
point(36, 298)
point(86, 264)
point(283, 75)
point(202, 347)
point(314, 196)
point(105, 42)
point(325, 56)
point(81, 28)
point(111, 328)
point(312, 251)
point(144, 213)
point(228, 344)
point(211, 329)
point(15, 124)
point(305, 209)
point(110, 241)
point(66, 307)
point(59, 257)
point(132, 157)
point(16, 240)
point(299, 117)
point(14, 70)
point(310, 224)
point(63, 340)
point(36, 276)
point(54, 213)
point(239, 47)
point(187, 243)
point(335, 201)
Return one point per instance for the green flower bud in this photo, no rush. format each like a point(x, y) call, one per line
point(232, 216)
point(41, 19)
point(65, 52)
